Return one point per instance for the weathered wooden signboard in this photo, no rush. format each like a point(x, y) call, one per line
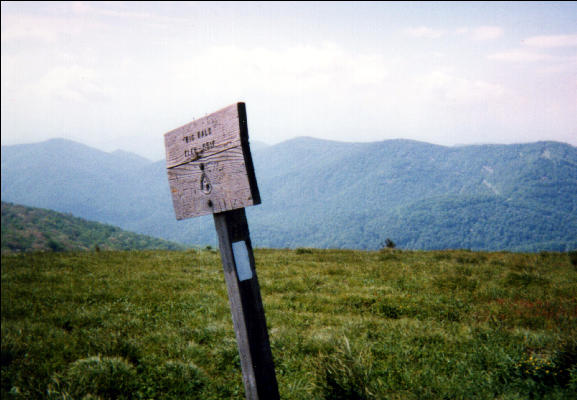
point(209, 164)
point(210, 170)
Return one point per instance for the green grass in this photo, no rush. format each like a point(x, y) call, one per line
point(342, 324)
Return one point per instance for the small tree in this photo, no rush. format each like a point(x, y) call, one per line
point(389, 244)
point(573, 257)
point(54, 245)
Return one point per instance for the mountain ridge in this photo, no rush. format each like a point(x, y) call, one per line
point(326, 193)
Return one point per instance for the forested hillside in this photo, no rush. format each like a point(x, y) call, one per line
point(33, 229)
point(318, 193)
point(515, 197)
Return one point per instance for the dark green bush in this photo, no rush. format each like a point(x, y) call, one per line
point(573, 257)
point(302, 250)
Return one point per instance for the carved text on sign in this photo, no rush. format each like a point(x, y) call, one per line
point(209, 164)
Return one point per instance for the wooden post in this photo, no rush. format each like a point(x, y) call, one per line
point(210, 171)
point(246, 305)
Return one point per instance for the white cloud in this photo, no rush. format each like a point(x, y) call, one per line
point(118, 10)
point(47, 29)
point(547, 41)
point(425, 32)
point(369, 69)
point(487, 32)
point(519, 56)
point(289, 70)
point(480, 33)
point(16, 27)
point(447, 87)
point(70, 83)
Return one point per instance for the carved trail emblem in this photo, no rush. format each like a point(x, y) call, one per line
point(209, 164)
point(205, 185)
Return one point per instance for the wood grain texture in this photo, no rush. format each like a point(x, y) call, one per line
point(209, 164)
point(247, 310)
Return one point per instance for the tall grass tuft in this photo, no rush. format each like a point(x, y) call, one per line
point(104, 377)
point(174, 380)
point(346, 374)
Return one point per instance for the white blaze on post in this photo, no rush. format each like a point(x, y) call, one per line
point(241, 260)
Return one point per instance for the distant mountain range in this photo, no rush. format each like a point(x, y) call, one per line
point(318, 193)
point(36, 229)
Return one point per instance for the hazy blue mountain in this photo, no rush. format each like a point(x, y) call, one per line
point(420, 195)
point(135, 158)
point(329, 194)
point(70, 177)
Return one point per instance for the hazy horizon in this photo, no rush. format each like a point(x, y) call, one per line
point(258, 144)
point(120, 75)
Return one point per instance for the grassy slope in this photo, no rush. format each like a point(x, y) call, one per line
point(343, 324)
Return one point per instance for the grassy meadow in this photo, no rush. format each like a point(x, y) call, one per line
point(342, 324)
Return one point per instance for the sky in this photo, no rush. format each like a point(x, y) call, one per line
point(118, 75)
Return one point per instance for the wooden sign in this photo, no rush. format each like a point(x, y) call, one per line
point(210, 170)
point(209, 164)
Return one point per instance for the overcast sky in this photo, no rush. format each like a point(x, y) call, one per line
point(119, 75)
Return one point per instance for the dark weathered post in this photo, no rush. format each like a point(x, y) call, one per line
point(246, 305)
point(210, 170)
